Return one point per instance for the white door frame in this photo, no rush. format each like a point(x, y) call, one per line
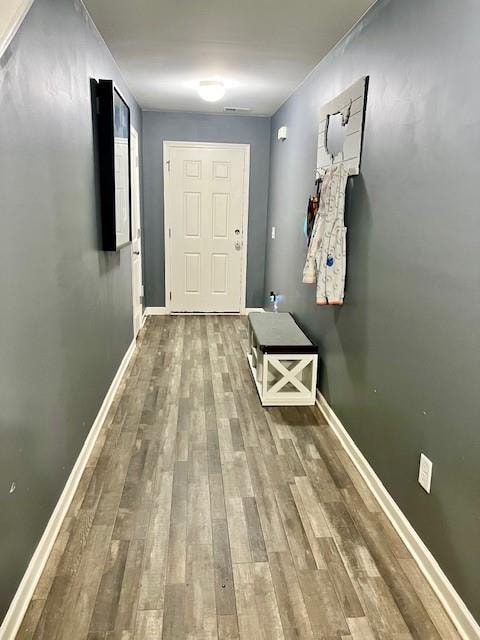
point(169, 144)
point(134, 134)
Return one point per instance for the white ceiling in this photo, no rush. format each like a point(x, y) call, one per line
point(261, 49)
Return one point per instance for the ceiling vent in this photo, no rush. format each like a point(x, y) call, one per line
point(237, 109)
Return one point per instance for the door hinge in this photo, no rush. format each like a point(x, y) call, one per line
point(168, 165)
point(169, 232)
point(170, 295)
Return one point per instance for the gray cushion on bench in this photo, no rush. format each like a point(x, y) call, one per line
point(279, 333)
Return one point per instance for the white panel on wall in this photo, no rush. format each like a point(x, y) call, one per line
point(192, 169)
point(219, 272)
point(351, 103)
point(192, 273)
point(221, 170)
point(220, 215)
point(191, 214)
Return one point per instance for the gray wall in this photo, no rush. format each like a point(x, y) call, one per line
point(400, 361)
point(66, 316)
point(160, 126)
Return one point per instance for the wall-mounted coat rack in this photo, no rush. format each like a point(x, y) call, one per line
point(351, 105)
point(339, 150)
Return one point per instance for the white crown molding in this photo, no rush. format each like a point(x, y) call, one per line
point(12, 14)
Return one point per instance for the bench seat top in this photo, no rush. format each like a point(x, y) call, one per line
point(279, 333)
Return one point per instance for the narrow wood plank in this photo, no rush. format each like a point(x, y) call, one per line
point(351, 545)
point(254, 528)
point(380, 607)
point(78, 605)
point(149, 625)
point(199, 526)
point(297, 539)
point(177, 539)
point(313, 507)
point(258, 471)
point(236, 432)
point(291, 605)
point(108, 596)
point(272, 526)
point(360, 629)
point(258, 615)
point(312, 540)
point(224, 590)
point(293, 460)
point(217, 500)
point(322, 482)
point(213, 446)
point(200, 608)
point(238, 531)
point(152, 587)
point(174, 612)
point(127, 602)
point(324, 610)
point(133, 514)
point(266, 602)
point(341, 580)
point(227, 627)
point(44, 584)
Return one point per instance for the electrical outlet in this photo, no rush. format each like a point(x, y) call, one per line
point(273, 233)
point(425, 473)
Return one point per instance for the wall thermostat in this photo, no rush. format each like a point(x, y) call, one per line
point(282, 134)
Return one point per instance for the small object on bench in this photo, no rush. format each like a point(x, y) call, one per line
point(282, 359)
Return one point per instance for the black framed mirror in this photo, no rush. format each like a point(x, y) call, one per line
point(113, 116)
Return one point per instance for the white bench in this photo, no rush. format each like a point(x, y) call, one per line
point(282, 359)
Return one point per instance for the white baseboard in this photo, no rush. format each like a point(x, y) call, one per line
point(253, 310)
point(452, 602)
point(162, 311)
point(155, 311)
point(20, 602)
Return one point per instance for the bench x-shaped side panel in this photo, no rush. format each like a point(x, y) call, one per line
point(289, 375)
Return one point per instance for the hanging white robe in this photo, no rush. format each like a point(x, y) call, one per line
point(326, 255)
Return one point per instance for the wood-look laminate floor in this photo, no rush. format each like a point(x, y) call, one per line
point(202, 515)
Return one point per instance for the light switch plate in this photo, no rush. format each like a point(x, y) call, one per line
point(425, 473)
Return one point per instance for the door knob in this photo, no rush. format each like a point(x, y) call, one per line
point(137, 253)
point(237, 245)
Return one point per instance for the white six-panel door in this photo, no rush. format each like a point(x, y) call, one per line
point(206, 188)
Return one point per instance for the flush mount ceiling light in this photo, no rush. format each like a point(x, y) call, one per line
point(211, 90)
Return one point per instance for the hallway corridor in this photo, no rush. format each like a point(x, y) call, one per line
point(201, 515)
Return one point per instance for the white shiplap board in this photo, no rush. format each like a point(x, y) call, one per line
point(353, 100)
